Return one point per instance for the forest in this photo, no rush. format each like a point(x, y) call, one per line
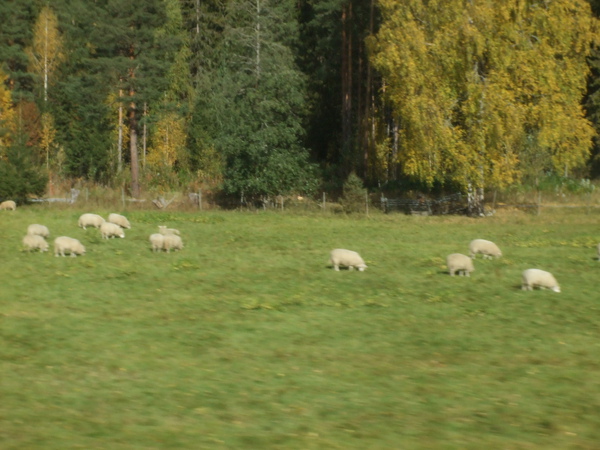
point(256, 98)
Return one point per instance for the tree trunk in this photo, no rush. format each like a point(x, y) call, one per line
point(347, 84)
point(135, 184)
point(120, 138)
point(475, 202)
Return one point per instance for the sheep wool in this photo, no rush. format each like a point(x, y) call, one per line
point(162, 229)
point(35, 242)
point(119, 220)
point(459, 263)
point(346, 258)
point(111, 230)
point(64, 244)
point(90, 220)
point(172, 242)
point(487, 248)
point(8, 205)
point(37, 229)
point(539, 278)
point(157, 241)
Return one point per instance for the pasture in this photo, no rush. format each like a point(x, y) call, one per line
point(248, 339)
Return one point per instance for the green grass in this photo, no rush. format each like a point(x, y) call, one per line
point(247, 339)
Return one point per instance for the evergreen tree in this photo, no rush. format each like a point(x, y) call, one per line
point(128, 49)
point(16, 30)
point(252, 109)
point(19, 177)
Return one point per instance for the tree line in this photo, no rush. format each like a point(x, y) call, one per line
point(265, 97)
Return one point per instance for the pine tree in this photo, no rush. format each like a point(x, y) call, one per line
point(128, 48)
point(256, 101)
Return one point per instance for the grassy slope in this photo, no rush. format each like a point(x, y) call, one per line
point(246, 339)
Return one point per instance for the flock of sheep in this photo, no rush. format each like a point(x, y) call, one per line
point(166, 239)
point(459, 264)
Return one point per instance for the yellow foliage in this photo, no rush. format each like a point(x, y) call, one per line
point(7, 115)
point(168, 141)
point(475, 83)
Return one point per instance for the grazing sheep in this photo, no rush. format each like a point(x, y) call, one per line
point(90, 220)
point(157, 241)
point(110, 230)
point(162, 229)
point(8, 205)
point(64, 244)
point(539, 278)
point(34, 242)
point(172, 241)
point(598, 252)
point(486, 248)
point(348, 258)
point(119, 220)
point(37, 229)
point(459, 263)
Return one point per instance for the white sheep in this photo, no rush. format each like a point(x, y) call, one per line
point(172, 241)
point(90, 220)
point(459, 263)
point(347, 258)
point(162, 229)
point(64, 244)
point(598, 252)
point(539, 278)
point(157, 241)
point(34, 242)
point(119, 220)
point(37, 229)
point(110, 230)
point(486, 248)
point(8, 205)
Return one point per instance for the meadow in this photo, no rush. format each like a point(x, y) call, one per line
point(247, 339)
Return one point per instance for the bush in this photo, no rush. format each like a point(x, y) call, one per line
point(19, 177)
point(354, 196)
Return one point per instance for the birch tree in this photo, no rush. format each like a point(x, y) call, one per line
point(46, 51)
point(477, 85)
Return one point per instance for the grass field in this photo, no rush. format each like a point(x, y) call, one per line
point(246, 339)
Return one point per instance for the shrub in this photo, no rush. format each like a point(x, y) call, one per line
point(19, 177)
point(354, 196)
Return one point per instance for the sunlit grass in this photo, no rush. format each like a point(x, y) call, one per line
point(247, 339)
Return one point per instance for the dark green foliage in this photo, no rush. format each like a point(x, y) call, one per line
point(16, 22)
point(19, 177)
point(252, 105)
point(354, 198)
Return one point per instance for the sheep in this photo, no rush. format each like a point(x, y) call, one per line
point(64, 244)
point(110, 230)
point(598, 252)
point(486, 248)
point(157, 241)
point(162, 229)
point(119, 220)
point(38, 229)
point(34, 241)
point(90, 220)
point(8, 205)
point(342, 257)
point(459, 263)
point(172, 241)
point(539, 278)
